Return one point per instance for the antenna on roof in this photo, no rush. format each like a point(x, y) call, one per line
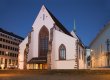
point(74, 29)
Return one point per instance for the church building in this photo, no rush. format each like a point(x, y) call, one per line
point(51, 46)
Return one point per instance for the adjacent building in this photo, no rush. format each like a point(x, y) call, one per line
point(51, 46)
point(100, 48)
point(88, 57)
point(9, 47)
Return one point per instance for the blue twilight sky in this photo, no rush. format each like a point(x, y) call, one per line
point(18, 16)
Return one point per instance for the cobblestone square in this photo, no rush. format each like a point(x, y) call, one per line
point(55, 75)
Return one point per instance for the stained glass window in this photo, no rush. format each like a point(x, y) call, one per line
point(43, 41)
point(62, 52)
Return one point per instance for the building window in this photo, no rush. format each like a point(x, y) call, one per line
point(62, 52)
point(79, 53)
point(1, 60)
point(0, 39)
point(16, 55)
point(11, 54)
point(0, 52)
point(8, 41)
point(43, 41)
point(0, 45)
point(9, 61)
point(3, 40)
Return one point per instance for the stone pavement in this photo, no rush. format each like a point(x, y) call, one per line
point(54, 75)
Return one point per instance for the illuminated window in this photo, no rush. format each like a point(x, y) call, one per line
point(62, 52)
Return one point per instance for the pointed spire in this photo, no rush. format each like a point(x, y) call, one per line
point(74, 29)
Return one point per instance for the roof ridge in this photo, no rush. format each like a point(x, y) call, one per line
point(58, 23)
point(10, 33)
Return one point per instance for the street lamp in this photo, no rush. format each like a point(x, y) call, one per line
point(6, 52)
point(91, 50)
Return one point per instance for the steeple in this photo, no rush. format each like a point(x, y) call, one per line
point(74, 28)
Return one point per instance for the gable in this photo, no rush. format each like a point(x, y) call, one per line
point(42, 16)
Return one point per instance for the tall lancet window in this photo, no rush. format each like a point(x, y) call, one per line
point(43, 42)
point(62, 52)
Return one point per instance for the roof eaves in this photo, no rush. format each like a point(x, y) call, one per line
point(59, 24)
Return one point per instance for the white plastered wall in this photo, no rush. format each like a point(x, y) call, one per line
point(22, 47)
point(69, 42)
point(38, 24)
point(81, 59)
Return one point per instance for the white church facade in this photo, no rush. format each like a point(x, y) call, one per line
point(50, 46)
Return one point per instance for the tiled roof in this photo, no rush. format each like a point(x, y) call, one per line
point(59, 24)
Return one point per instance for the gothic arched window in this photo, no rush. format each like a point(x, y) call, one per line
point(43, 41)
point(62, 52)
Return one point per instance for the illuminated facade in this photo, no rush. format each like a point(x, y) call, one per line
point(9, 47)
point(100, 53)
point(50, 46)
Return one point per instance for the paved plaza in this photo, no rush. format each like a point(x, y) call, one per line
point(54, 75)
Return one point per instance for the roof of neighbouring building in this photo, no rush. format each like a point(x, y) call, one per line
point(11, 34)
point(101, 31)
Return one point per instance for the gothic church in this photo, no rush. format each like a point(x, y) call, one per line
point(51, 46)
